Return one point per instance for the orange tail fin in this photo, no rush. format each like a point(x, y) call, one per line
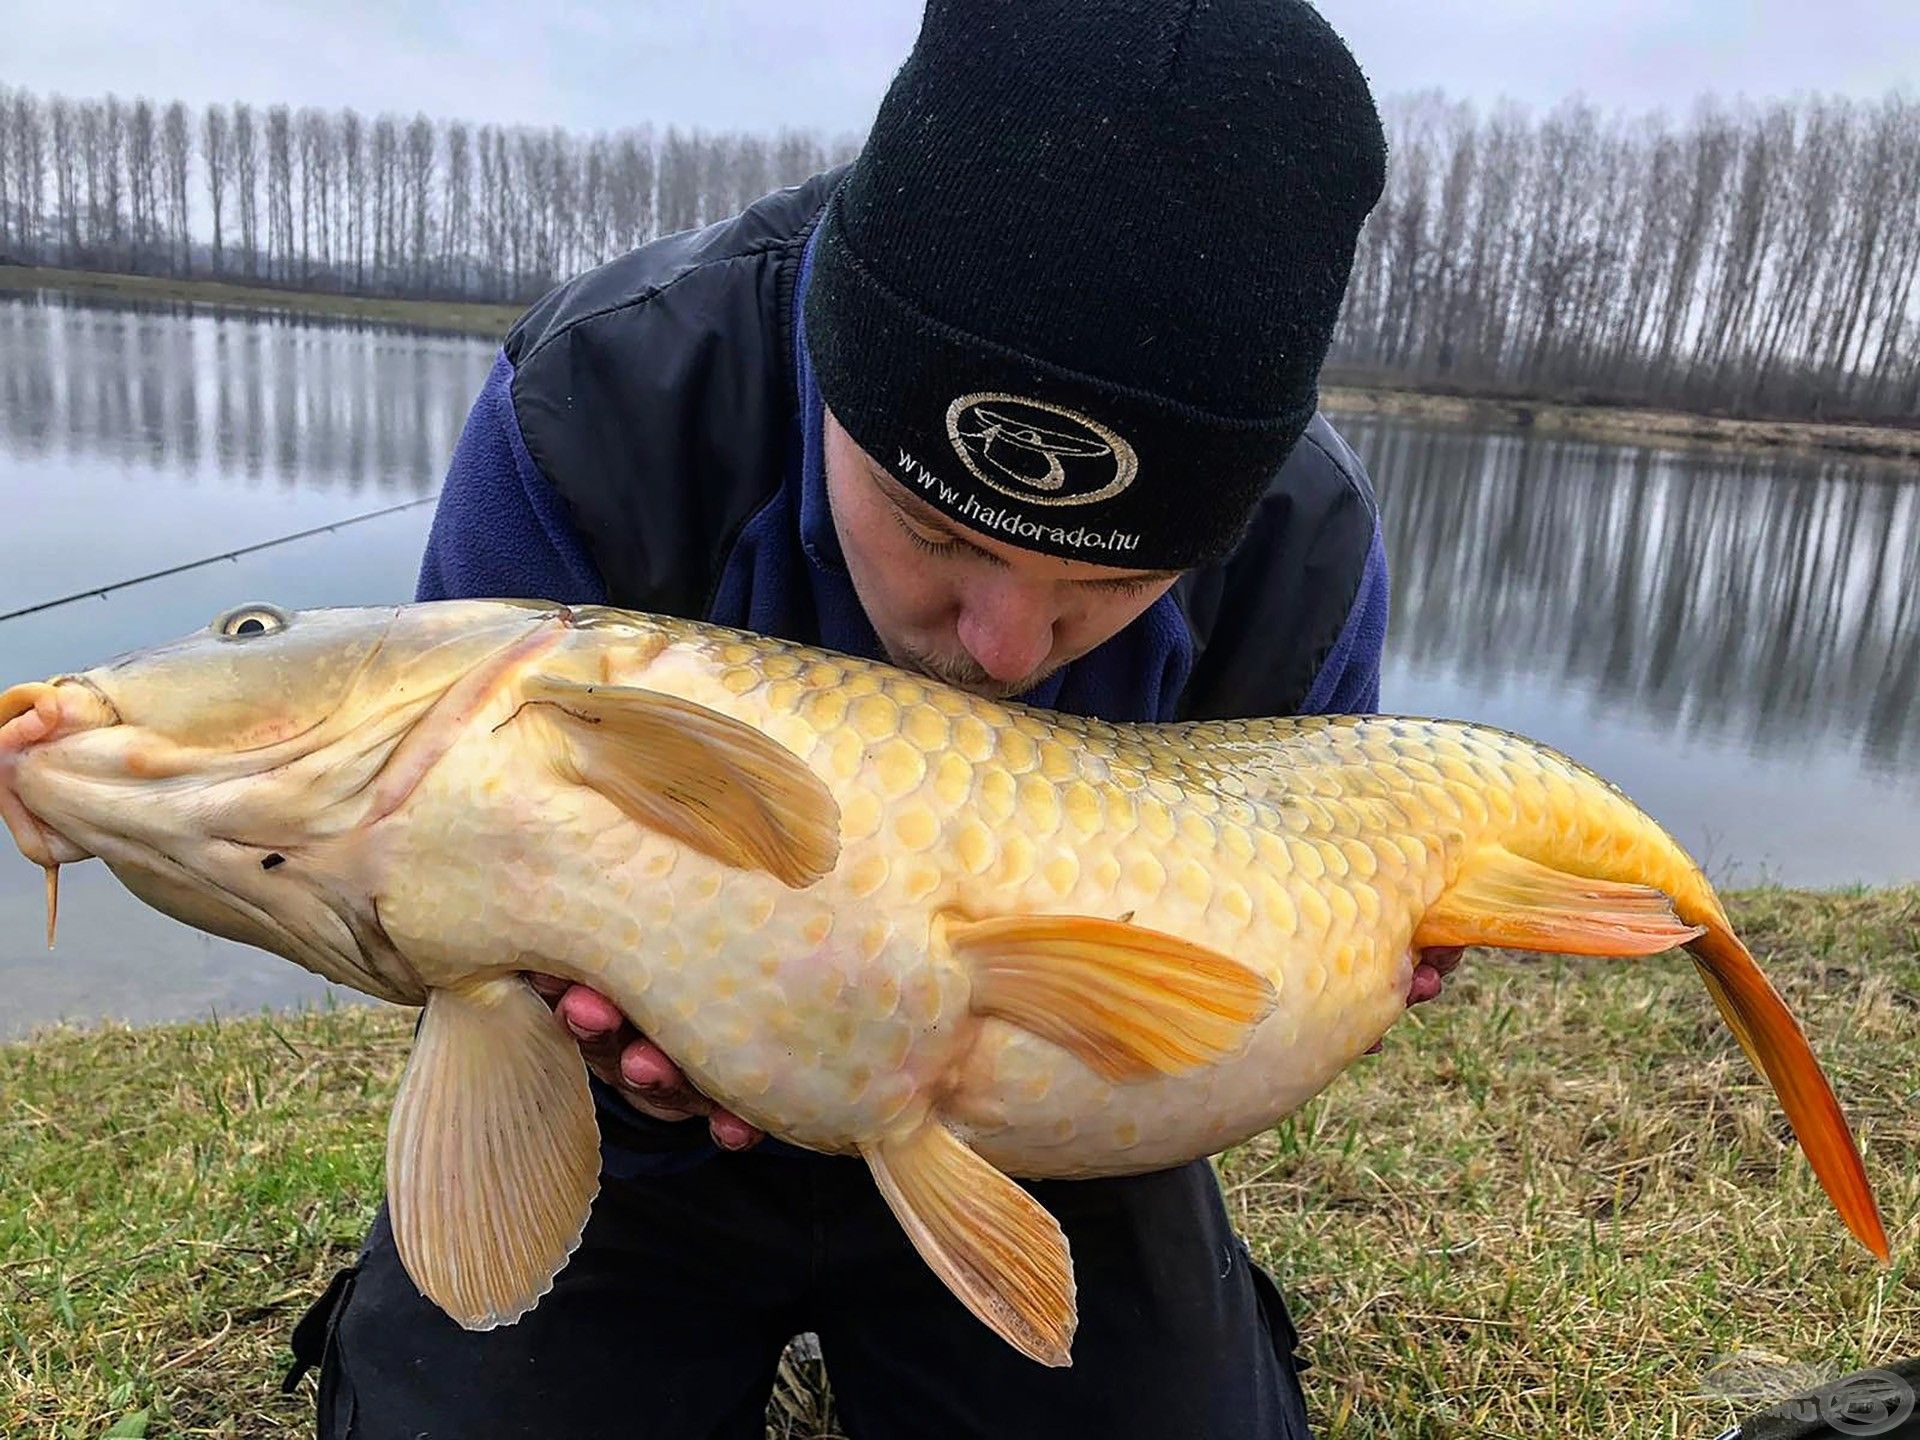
point(1505, 900)
point(1778, 1048)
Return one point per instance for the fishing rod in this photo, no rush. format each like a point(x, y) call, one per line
point(102, 591)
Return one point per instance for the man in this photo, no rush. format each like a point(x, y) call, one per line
point(1023, 399)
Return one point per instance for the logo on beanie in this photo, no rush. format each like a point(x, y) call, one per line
point(1040, 453)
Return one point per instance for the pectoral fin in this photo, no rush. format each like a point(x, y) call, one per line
point(493, 1156)
point(990, 1241)
point(1128, 1001)
point(1509, 902)
point(706, 779)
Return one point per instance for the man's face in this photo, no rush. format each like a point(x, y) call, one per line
point(961, 606)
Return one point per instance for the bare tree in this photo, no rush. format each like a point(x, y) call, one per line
point(353, 172)
point(383, 161)
point(66, 176)
point(419, 198)
point(679, 182)
point(243, 147)
point(143, 184)
point(495, 201)
point(176, 153)
point(217, 160)
point(279, 144)
point(752, 172)
point(596, 199)
point(30, 142)
point(632, 190)
point(9, 175)
point(314, 150)
point(457, 221)
point(110, 228)
point(91, 229)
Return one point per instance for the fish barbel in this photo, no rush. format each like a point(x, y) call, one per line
point(869, 913)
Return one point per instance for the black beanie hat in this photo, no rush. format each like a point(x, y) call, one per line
point(1076, 290)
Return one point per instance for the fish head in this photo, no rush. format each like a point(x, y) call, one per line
point(229, 778)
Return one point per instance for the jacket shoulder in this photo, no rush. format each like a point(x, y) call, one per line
point(657, 396)
point(1265, 618)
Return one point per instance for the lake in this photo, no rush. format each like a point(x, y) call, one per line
point(1733, 637)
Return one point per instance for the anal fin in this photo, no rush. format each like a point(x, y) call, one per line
point(1508, 902)
point(1128, 1001)
point(493, 1156)
point(991, 1242)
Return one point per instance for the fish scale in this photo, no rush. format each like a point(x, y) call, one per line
point(1269, 840)
point(867, 912)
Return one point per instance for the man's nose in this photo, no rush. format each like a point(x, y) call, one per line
point(1008, 630)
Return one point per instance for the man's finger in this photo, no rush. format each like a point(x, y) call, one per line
point(641, 1070)
point(589, 1014)
point(649, 1079)
point(645, 1067)
point(730, 1132)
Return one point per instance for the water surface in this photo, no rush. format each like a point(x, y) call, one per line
point(1734, 638)
point(133, 439)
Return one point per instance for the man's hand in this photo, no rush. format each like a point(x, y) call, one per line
point(634, 1065)
point(1430, 971)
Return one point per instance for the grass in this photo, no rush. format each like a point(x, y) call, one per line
point(452, 316)
point(1559, 1203)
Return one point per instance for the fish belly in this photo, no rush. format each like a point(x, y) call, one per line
point(829, 1014)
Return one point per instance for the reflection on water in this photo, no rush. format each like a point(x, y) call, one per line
point(1734, 638)
point(325, 405)
point(132, 439)
point(1765, 598)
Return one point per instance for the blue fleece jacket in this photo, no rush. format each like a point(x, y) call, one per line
point(501, 530)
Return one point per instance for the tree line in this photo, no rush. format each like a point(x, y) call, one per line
point(328, 200)
point(1753, 259)
point(1757, 260)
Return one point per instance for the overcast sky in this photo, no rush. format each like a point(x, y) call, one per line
point(758, 64)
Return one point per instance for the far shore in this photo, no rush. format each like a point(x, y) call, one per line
point(1619, 423)
point(460, 317)
point(1542, 415)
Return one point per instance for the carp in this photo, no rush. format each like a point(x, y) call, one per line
point(871, 914)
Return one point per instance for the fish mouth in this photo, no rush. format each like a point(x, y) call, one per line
point(31, 717)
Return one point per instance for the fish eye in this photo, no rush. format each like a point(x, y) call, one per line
point(250, 620)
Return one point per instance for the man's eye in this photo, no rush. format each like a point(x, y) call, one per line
point(924, 541)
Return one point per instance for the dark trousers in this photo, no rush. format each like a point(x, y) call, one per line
point(669, 1322)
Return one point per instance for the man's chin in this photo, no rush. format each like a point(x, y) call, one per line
point(993, 690)
point(970, 678)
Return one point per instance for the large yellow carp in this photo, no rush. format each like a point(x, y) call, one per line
point(869, 913)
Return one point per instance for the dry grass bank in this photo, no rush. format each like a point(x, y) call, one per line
point(455, 317)
point(1620, 423)
point(1559, 1203)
